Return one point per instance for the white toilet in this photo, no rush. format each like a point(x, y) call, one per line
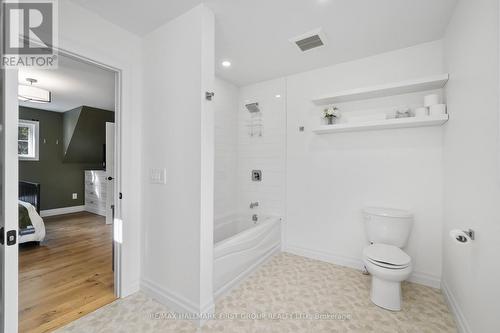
point(387, 230)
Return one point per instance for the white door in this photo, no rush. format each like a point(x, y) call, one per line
point(110, 171)
point(8, 201)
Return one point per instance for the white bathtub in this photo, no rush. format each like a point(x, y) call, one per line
point(240, 246)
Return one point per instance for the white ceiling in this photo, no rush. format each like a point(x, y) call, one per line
point(72, 84)
point(254, 34)
point(139, 16)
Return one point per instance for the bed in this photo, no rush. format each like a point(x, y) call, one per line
point(31, 226)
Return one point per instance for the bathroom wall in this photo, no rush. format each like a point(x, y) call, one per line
point(238, 151)
point(331, 177)
point(262, 148)
point(471, 274)
point(226, 148)
point(178, 141)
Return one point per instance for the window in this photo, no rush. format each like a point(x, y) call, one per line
point(27, 140)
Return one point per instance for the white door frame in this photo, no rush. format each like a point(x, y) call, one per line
point(10, 269)
point(110, 171)
point(124, 284)
point(117, 223)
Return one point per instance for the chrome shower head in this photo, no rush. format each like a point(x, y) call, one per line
point(253, 107)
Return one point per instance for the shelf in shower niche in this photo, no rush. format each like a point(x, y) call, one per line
point(383, 124)
point(384, 90)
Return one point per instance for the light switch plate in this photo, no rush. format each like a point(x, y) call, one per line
point(75, 196)
point(158, 176)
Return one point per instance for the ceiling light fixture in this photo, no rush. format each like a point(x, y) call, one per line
point(226, 63)
point(33, 94)
point(278, 96)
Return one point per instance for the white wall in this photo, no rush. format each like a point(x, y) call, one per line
point(178, 136)
point(471, 274)
point(237, 153)
point(86, 34)
point(226, 148)
point(266, 152)
point(326, 175)
point(331, 177)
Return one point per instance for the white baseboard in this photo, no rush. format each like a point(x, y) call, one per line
point(426, 279)
point(325, 256)
point(172, 300)
point(462, 325)
point(130, 289)
point(416, 277)
point(175, 302)
point(61, 211)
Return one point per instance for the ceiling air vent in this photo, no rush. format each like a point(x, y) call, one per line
point(310, 40)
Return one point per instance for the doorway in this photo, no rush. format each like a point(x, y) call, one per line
point(72, 267)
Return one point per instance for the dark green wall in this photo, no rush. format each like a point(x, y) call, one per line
point(58, 180)
point(70, 119)
point(84, 134)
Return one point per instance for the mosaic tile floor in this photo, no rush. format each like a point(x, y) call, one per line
point(290, 294)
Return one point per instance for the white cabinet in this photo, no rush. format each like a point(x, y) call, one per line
point(95, 191)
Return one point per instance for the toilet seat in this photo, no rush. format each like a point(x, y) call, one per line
point(387, 265)
point(387, 256)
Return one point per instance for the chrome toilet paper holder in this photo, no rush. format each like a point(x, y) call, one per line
point(463, 239)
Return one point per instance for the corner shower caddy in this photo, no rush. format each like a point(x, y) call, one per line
point(384, 90)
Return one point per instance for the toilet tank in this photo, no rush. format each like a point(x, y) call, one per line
point(387, 225)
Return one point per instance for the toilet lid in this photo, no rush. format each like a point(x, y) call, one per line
point(386, 265)
point(387, 255)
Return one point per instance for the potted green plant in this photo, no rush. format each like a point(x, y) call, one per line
point(331, 114)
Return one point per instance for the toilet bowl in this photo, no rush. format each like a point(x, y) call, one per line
point(389, 266)
point(388, 230)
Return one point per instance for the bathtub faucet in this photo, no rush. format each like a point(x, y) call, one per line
point(254, 204)
point(255, 218)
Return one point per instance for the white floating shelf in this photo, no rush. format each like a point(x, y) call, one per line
point(383, 124)
point(384, 90)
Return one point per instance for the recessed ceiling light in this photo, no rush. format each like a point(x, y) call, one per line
point(278, 96)
point(226, 63)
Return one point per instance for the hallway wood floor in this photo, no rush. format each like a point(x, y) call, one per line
point(69, 275)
